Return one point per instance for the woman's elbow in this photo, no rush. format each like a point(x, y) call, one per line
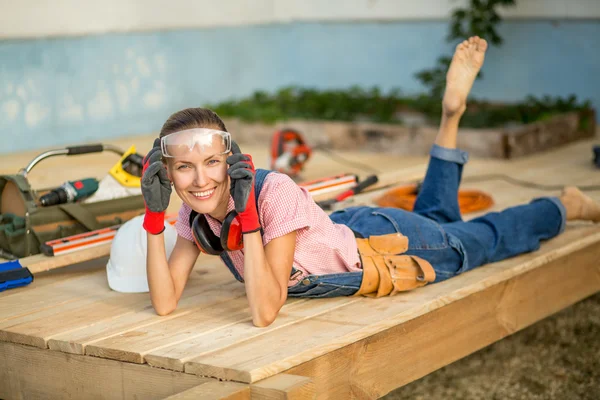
point(164, 309)
point(264, 318)
point(262, 321)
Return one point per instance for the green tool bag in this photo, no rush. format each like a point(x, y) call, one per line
point(25, 224)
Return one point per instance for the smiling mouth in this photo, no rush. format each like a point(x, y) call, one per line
point(204, 194)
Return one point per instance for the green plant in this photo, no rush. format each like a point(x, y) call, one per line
point(357, 104)
point(479, 19)
point(353, 104)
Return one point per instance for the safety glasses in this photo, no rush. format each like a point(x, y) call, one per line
point(183, 142)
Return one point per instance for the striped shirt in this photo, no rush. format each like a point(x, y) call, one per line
point(322, 247)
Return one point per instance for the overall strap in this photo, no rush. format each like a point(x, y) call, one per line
point(259, 180)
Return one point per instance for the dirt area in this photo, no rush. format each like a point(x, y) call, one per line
point(556, 358)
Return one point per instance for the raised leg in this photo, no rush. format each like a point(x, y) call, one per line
point(438, 198)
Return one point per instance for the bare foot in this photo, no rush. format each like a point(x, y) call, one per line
point(579, 205)
point(466, 63)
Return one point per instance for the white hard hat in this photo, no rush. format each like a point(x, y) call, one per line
point(126, 268)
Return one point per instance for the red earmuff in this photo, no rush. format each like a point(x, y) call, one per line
point(231, 238)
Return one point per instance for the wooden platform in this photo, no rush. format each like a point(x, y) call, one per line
point(68, 335)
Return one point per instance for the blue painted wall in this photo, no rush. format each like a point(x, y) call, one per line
point(72, 90)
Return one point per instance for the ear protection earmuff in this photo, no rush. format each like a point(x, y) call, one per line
point(231, 234)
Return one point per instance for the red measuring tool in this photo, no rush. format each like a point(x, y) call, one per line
point(87, 240)
point(330, 184)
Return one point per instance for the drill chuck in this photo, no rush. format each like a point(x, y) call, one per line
point(70, 192)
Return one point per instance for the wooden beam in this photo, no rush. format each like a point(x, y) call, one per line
point(215, 390)
point(284, 387)
point(40, 262)
point(31, 373)
point(372, 367)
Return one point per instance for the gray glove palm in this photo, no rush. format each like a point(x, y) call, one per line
point(156, 186)
point(241, 171)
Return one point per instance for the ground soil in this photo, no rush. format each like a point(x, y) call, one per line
point(556, 358)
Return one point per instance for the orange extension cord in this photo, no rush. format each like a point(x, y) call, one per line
point(405, 196)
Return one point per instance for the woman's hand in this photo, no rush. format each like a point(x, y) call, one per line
point(241, 170)
point(156, 189)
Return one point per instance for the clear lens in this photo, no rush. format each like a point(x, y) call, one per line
point(204, 140)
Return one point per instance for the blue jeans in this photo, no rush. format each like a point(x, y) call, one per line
point(437, 233)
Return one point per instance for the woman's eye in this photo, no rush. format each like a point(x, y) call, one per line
point(213, 162)
point(182, 166)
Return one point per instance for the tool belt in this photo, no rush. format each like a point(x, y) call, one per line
point(386, 271)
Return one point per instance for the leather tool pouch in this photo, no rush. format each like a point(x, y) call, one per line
point(386, 271)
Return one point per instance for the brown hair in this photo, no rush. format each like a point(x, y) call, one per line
point(192, 118)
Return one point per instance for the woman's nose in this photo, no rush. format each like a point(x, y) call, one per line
point(201, 178)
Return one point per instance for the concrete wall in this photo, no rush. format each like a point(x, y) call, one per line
point(66, 90)
point(41, 18)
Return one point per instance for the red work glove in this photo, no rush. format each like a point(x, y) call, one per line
point(156, 189)
point(241, 171)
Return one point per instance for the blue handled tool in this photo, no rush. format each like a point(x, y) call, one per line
point(13, 274)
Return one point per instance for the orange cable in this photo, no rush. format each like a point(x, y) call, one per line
point(404, 197)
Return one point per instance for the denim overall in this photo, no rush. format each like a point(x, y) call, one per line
point(437, 233)
point(435, 229)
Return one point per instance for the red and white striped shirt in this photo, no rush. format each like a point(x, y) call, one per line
point(322, 247)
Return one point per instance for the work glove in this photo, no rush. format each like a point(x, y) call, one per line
point(156, 189)
point(241, 171)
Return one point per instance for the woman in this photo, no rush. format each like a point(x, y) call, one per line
point(291, 247)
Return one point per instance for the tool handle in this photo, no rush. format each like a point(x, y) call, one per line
point(371, 180)
point(85, 149)
point(327, 204)
point(70, 151)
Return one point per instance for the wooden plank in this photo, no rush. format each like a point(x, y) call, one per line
point(215, 391)
point(56, 276)
point(133, 345)
point(87, 286)
point(37, 328)
point(31, 373)
point(284, 387)
point(40, 262)
point(247, 361)
point(295, 310)
point(374, 366)
point(76, 341)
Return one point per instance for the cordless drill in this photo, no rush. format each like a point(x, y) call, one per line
point(70, 192)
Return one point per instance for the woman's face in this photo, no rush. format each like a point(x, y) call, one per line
point(201, 181)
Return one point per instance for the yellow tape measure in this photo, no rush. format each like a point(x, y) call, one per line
point(123, 177)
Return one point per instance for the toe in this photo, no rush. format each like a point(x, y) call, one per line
point(481, 45)
point(572, 190)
